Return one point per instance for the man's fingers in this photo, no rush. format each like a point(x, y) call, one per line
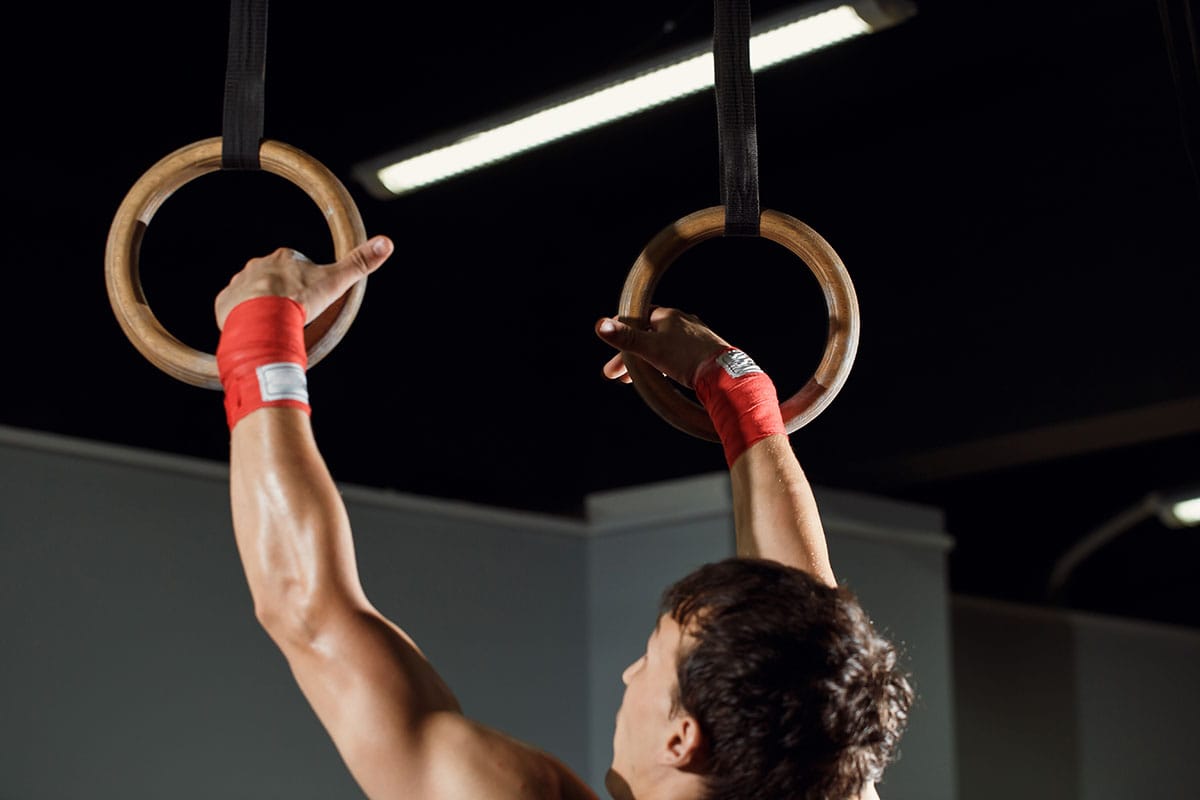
point(660, 314)
point(622, 337)
point(675, 343)
point(615, 369)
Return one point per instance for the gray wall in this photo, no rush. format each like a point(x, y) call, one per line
point(133, 667)
point(1068, 706)
point(892, 554)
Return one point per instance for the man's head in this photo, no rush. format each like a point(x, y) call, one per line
point(759, 681)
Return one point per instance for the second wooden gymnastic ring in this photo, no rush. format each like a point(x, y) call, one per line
point(161, 181)
point(661, 394)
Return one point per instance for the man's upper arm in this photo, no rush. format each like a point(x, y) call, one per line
point(399, 729)
point(376, 695)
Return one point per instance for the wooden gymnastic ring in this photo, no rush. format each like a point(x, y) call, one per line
point(661, 394)
point(164, 179)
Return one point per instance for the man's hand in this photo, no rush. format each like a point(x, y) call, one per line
point(676, 344)
point(775, 515)
point(286, 273)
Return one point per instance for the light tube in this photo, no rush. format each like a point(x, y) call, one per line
point(1179, 509)
point(1187, 512)
point(651, 86)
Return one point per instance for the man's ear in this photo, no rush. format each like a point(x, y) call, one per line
point(685, 747)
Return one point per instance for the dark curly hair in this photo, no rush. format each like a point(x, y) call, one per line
point(796, 694)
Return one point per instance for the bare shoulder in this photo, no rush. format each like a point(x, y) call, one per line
point(470, 760)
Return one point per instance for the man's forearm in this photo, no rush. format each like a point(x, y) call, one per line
point(775, 513)
point(291, 526)
point(774, 510)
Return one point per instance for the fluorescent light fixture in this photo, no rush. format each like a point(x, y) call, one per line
point(1180, 510)
point(683, 72)
point(1177, 509)
point(1187, 511)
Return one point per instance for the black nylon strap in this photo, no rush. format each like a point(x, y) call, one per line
point(736, 126)
point(245, 85)
point(1179, 35)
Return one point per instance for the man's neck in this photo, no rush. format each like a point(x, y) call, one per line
point(675, 785)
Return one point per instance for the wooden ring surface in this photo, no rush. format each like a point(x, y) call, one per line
point(661, 394)
point(164, 179)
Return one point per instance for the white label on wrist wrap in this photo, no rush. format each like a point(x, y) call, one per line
point(283, 380)
point(736, 363)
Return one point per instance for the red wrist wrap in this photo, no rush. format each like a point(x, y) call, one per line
point(261, 357)
point(740, 399)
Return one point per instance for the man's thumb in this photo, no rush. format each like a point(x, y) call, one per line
point(368, 256)
point(358, 263)
point(616, 333)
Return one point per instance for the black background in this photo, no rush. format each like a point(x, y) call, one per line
point(1010, 186)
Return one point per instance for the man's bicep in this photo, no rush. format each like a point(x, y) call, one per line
point(375, 693)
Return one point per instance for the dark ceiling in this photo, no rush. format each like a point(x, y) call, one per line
point(1009, 185)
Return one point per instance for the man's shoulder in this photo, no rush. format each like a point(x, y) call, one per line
point(571, 786)
point(473, 760)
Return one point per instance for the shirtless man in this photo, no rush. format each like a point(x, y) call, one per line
point(760, 680)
